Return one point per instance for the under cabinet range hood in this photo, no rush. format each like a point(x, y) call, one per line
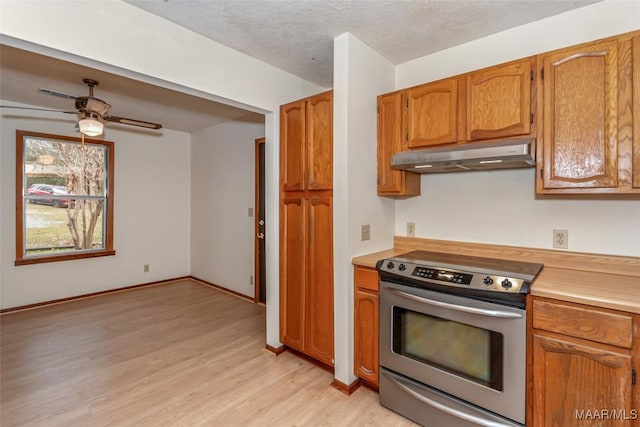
point(505, 154)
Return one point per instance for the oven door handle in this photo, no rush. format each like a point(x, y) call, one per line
point(451, 411)
point(474, 310)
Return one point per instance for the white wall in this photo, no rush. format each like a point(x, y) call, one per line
point(151, 214)
point(501, 207)
point(222, 191)
point(360, 74)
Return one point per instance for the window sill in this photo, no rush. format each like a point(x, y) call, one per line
point(65, 257)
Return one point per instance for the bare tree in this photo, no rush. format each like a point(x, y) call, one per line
point(36, 148)
point(85, 177)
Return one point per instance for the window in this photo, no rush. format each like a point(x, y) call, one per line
point(64, 198)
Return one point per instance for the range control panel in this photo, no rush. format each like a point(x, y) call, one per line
point(452, 277)
point(442, 275)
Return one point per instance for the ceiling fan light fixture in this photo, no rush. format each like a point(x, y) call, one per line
point(90, 126)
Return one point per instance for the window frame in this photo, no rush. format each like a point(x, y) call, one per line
point(108, 249)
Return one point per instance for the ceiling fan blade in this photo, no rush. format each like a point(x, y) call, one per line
point(37, 109)
point(132, 122)
point(56, 93)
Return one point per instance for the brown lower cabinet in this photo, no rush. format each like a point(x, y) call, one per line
point(306, 274)
point(584, 365)
point(366, 325)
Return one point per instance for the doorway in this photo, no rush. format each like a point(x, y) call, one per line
point(260, 256)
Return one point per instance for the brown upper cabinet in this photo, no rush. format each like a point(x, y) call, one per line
point(392, 139)
point(492, 103)
point(432, 113)
point(581, 103)
point(499, 101)
point(292, 153)
point(306, 132)
point(590, 106)
point(319, 142)
point(635, 55)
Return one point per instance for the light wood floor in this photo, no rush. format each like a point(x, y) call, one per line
point(178, 354)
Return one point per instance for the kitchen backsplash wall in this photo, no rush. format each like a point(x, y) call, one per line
point(501, 207)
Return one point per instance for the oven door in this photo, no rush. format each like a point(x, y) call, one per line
point(473, 350)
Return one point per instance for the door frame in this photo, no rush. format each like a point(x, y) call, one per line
point(256, 218)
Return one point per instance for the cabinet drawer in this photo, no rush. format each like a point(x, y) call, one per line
point(366, 278)
point(583, 322)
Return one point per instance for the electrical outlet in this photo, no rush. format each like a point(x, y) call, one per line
point(251, 280)
point(411, 229)
point(145, 268)
point(365, 232)
point(250, 212)
point(561, 239)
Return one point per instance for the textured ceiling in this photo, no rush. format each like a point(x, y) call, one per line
point(297, 35)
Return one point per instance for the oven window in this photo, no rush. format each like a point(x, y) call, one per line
point(461, 349)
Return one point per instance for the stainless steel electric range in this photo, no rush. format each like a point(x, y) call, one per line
point(453, 338)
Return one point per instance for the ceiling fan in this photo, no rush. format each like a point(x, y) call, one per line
point(91, 111)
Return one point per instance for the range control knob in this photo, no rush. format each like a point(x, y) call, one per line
point(506, 283)
point(390, 265)
point(402, 267)
point(488, 281)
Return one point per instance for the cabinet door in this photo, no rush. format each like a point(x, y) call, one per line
point(573, 378)
point(432, 115)
point(391, 140)
point(366, 335)
point(319, 293)
point(292, 271)
point(320, 142)
point(581, 117)
point(292, 146)
point(635, 43)
point(499, 101)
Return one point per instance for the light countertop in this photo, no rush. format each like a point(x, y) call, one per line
point(370, 260)
point(614, 291)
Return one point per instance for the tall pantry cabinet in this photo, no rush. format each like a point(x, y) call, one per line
point(306, 226)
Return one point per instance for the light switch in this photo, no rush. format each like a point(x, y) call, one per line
point(365, 232)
